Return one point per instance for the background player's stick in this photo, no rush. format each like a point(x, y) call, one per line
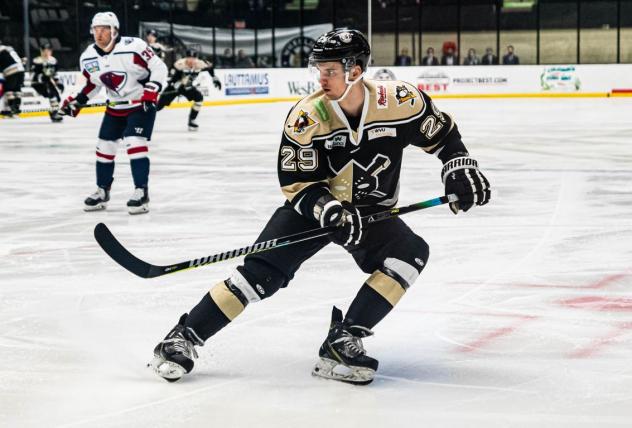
point(122, 256)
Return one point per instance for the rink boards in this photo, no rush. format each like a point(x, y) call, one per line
point(288, 84)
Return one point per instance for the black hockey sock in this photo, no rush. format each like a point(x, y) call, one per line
point(206, 318)
point(140, 171)
point(105, 172)
point(368, 308)
point(193, 114)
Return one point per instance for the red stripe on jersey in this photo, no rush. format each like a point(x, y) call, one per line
point(121, 112)
point(138, 60)
point(104, 156)
point(89, 85)
point(137, 150)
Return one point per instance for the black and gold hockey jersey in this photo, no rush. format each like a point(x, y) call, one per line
point(319, 150)
point(184, 73)
point(10, 62)
point(44, 68)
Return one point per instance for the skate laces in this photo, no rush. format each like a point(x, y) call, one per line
point(99, 193)
point(352, 343)
point(182, 346)
point(139, 193)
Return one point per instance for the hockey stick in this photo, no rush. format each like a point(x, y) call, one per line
point(123, 257)
point(105, 104)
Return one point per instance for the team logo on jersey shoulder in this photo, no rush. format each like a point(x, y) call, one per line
point(302, 122)
point(114, 80)
point(92, 66)
point(403, 95)
point(127, 41)
point(337, 141)
point(382, 97)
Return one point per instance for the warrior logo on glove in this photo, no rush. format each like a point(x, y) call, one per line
point(461, 176)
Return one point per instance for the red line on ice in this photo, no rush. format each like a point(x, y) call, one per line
point(486, 339)
point(598, 344)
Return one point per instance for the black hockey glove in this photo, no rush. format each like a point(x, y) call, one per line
point(217, 83)
point(461, 176)
point(331, 212)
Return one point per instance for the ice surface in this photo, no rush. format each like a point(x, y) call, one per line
point(522, 318)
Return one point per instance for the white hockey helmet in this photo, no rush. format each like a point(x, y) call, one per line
point(106, 19)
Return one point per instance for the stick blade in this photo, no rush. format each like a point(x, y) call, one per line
point(120, 254)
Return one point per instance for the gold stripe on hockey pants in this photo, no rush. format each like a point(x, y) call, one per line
point(227, 302)
point(388, 288)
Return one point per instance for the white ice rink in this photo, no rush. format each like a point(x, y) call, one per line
point(523, 317)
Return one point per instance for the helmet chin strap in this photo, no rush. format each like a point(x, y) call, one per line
point(349, 85)
point(114, 35)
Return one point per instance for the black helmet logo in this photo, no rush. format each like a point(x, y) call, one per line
point(346, 37)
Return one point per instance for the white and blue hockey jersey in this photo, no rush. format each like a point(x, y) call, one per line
point(122, 72)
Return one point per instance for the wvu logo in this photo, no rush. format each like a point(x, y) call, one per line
point(303, 121)
point(403, 95)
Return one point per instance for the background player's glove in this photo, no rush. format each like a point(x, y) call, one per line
point(332, 212)
point(72, 105)
point(217, 83)
point(461, 176)
point(150, 95)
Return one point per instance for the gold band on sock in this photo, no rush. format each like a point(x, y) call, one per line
point(386, 286)
point(227, 302)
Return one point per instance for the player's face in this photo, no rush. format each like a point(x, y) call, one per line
point(190, 61)
point(331, 77)
point(47, 53)
point(102, 35)
point(151, 38)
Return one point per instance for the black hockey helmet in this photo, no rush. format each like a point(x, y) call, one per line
point(348, 46)
point(46, 46)
point(191, 53)
point(152, 32)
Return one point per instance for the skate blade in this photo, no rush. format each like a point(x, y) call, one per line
point(138, 210)
point(166, 369)
point(98, 207)
point(330, 369)
point(192, 129)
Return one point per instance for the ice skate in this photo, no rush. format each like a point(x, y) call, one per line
point(139, 202)
point(56, 117)
point(193, 127)
point(97, 201)
point(173, 357)
point(342, 355)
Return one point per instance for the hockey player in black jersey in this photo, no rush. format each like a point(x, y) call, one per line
point(151, 37)
point(45, 80)
point(340, 159)
point(13, 70)
point(181, 82)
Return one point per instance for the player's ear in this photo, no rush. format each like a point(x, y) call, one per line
point(356, 72)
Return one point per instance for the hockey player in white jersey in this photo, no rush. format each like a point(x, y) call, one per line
point(132, 76)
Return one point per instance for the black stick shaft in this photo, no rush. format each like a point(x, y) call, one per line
point(122, 256)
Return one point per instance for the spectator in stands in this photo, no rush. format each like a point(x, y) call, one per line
point(489, 58)
point(471, 58)
point(449, 56)
point(243, 61)
point(403, 59)
point(430, 58)
point(226, 60)
point(511, 58)
point(265, 61)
